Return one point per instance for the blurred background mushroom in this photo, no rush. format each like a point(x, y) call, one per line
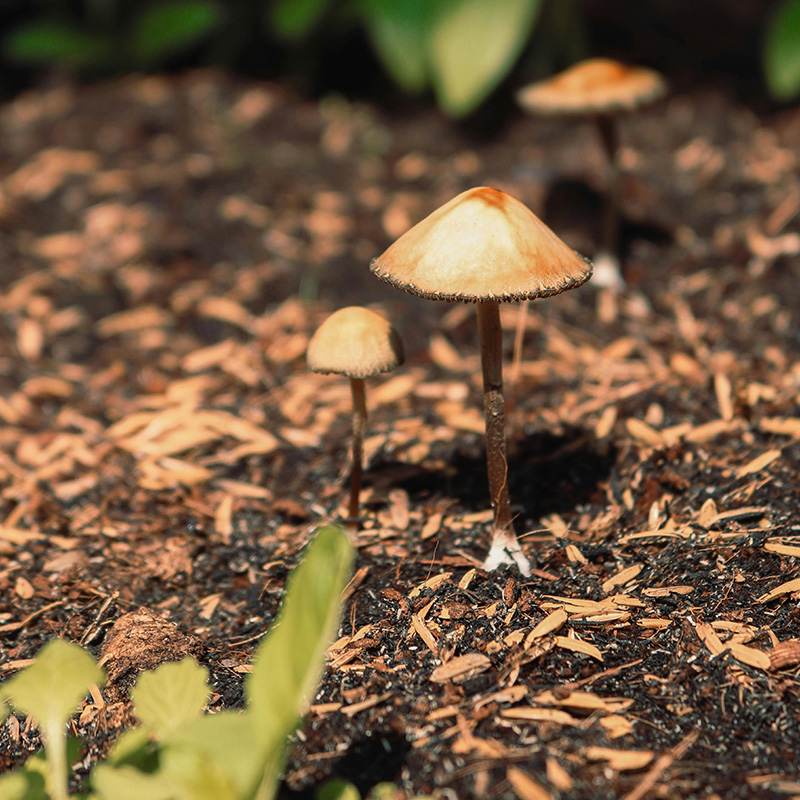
point(358, 343)
point(599, 89)
point(485, 247)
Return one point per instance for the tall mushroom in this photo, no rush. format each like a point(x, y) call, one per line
point(358, 343)
point(485, 247)
point(599, 89)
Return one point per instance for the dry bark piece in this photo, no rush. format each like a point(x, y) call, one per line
point(598, 89)
point(485, 247)
point(142, 640)
point(785, 654)
point(358, 343)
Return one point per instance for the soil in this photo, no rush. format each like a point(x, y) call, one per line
point(168, 246)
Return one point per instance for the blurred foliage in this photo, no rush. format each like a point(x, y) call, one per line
point(112, 36)
point(179, 752)
point(460, 51)
point(782, 51)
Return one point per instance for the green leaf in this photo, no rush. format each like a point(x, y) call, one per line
point(170, 696)
point(128, 783)
point(227, 740)
point(293, 20)
point(289, 661)
point(23, 784)
point(782, 51)
point(398, 30)
point(473, 45)
point(337, 789)
point(56, 43)
point(51, 688)
point(166, 28)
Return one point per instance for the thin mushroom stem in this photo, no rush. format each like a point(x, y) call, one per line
point(609, 138)
point(505, 548)
point(359, 427)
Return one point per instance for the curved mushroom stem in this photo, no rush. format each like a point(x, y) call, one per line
point(359, 426)
point(505, 548)
point(607, 272)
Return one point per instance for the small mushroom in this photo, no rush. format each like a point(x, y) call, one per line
point(485, 247)
point(599, 89)
point(359, 343)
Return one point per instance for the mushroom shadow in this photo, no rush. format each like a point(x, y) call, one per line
point(548, 474)
point(574, 205)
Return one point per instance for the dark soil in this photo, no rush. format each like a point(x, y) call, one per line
point(168, 246)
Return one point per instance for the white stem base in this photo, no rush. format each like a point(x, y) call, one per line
point(506, 549)
point(607, 273)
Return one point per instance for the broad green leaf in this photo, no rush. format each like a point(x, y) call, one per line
point(398, 30)
point(51, 688)
point(289, 661)
point(194, 776)
point(782, 51)
point(170, 696)
point(22, 784)
point(473, 45)
point(56, 43)
point(227, 740)
point(337, 789)
point(134, 748)
point(165, 28)
point(295, 19)
point(128, 783)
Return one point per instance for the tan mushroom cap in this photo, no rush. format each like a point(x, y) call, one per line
point(594, 86)
point(482, 245)
point(356, 342)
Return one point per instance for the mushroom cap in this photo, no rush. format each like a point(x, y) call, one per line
point(482, 245)
point(356, 342)
point(594, 86)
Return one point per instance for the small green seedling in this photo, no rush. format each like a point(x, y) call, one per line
point(180, 752)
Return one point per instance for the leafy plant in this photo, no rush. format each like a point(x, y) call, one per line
point(782, 51)
point(116, 39)
point(459, 48)
point(179, 752)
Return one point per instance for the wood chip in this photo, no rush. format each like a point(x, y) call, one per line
point(525, 787)
point(622, 577)
point(431, 583)
point(782, 549)
point(758, 463)
point(622, 760)
point(552, 622)
point(578, 646)
point(530, 714)
point(785, 654)
point(643, 433)
point(584, 701)
point(779, 591)
point(461, 668)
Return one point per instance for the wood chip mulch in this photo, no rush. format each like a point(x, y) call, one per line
point(168, 246)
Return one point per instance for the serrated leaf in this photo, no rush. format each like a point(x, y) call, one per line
point(473, 45)
point(295, 19)
point(289, 661)
point(56, 43)
point(782, 51)
point(398, 30)
point(53, 686)
point(165, 28)
point(170, 696)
